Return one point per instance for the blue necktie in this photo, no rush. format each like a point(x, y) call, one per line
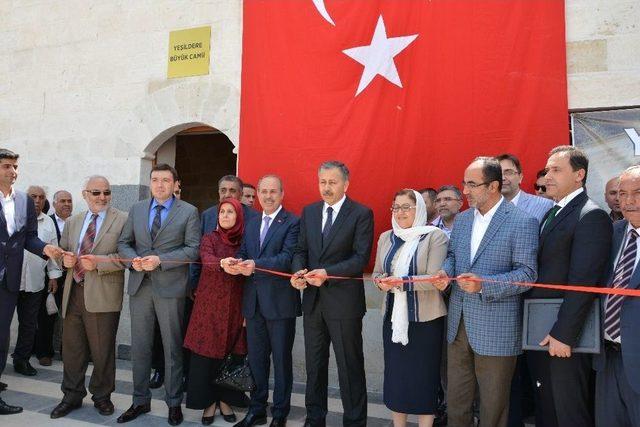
point(157, 222)
point(327, 224)
point(265, 228)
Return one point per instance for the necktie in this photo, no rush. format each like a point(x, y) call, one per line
point(85, 248)
point(265, 228)
point(622, 274)
point(328, 223)
point(552, 214)
point(157, 222)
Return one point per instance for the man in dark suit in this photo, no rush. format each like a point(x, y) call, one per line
point(575, 243)
point(270, 305)
point(43, 345)
point(336, 236)
point(18, 231)
point(618, 364)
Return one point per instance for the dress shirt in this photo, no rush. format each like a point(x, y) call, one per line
point(33, 266)
point(434, 222)
point(163, 213)
point(442, 226)
point(336, 208)
point(516, 198)
point(60, 222)
point(87, 220)
point(9, 208)
point(565, 201)
point(615, 263)
point(480, 225)
point(272, 216)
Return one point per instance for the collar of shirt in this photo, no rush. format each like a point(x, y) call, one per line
point(516, 198)
point(565, 200)
point(336, 207)
point(101, 216)
point(41, 217)
point(272, 215)
point(487, 217)
point(435, 221)
point(10, 196)
point(167, 204)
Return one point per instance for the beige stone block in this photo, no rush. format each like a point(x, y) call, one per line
point(623, 52)
point(586, 56)
point(604, 89)
point(596, 19)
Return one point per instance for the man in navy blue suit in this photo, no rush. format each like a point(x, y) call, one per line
point(18, 231)
point(269, 304)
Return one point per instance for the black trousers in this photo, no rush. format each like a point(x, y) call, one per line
point(8, 302)
point(346, 337)
point(563, 389)
point(43, 344)
point(27, 307)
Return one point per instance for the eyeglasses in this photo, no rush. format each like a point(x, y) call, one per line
point(403, 208)
point(446, 199)
point(96, 193)
point(510, 172)
point(473, 185)
point(542, 188)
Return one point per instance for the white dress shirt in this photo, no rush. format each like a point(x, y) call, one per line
point(9, 208)
point(336, 208)
point(272, 216)
point(615, 263)
point(33, 266)
point(516, 198)
point(85, 225)
point(565, 200)
point(480, 225)
point(60, 222)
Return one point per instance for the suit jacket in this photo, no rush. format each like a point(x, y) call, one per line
point(274, 295)
point(535, 206)
point(209, 222)
point(629, 315)
point(25, 237)
point(507, 252)
point(177, 240)
point(55, 223)
point(103, 287)
point(574, 250)
point(345, 252)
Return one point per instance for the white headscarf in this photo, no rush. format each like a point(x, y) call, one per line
point(411, 237)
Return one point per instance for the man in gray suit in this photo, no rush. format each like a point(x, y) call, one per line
point(512, 176)
point(493, 240)
point(161, 236)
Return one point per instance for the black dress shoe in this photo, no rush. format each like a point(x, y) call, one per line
point(157, 379)
point(104, 407)
point(207, 421)
point(3, 386)
point(230, 418)
point(278, 422)
point(134, 412)
point(175, 415)
point(252, 420)
point(8, 409)
point(24, 367)
point(63, 409)
point(314, 423)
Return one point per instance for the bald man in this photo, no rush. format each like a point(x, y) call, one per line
point(611, 197)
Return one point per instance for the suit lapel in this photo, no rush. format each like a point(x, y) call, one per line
point(106, 223)
point(337, 223)
point(177, 205)
point(616, 247)
point(494, 225)
point(75, 227)
point(315, 226)
point(564, 212)
point(20, 215)
point(277, 223)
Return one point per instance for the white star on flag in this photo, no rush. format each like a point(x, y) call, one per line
point(377, 57)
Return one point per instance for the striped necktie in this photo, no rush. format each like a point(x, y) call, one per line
point(85, 248)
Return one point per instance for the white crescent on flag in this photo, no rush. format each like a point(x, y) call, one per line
point(319, 4)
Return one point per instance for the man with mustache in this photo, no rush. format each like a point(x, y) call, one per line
point(448, 204)
point(336, 237)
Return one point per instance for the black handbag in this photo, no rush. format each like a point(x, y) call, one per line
point(235, 374)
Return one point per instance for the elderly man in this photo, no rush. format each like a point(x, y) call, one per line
point(611, 197)
point(575, 244)
point(43, 345)
point(92, 299)
point(32, 286)
point(493, 241)
point(617, 365)
point(336, 237)
point(18, 231)
point(448, 203)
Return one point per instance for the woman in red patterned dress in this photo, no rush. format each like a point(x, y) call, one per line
point(215, 328)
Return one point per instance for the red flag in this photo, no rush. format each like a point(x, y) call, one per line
point(406, 93)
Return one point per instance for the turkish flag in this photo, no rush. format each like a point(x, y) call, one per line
point(406, 93)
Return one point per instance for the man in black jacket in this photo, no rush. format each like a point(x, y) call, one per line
point(336, 236)
point(575, 242)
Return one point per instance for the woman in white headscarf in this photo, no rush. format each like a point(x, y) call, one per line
point(413, 312)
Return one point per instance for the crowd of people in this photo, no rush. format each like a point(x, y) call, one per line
point(452, 283)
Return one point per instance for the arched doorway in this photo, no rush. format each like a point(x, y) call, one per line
point(202, 155)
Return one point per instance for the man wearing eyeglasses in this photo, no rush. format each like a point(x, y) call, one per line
point(448, 205)
point(494, 241)
point(512, 177)
point(91, 300)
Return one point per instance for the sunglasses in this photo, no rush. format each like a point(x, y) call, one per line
point(542, 188)
point(96, 193)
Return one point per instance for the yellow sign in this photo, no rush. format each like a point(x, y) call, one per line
point(189, 52)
